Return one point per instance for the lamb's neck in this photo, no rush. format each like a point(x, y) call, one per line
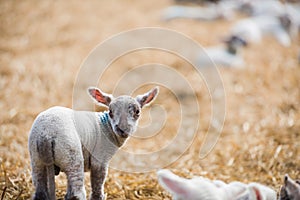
point(107, 131)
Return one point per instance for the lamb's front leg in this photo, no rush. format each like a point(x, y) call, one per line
point(98, 175)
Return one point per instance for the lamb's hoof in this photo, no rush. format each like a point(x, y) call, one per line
point(97, 197)
point(41, 196)
point(75, 197)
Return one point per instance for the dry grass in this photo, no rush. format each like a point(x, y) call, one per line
point(42, 44)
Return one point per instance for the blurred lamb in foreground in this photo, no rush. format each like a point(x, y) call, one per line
point(62, 139)
point(290, 189)
point(200, 188)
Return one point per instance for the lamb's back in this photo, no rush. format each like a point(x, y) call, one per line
point(53, 122)
point(53, 130)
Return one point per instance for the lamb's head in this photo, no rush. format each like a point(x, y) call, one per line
point(290, 189)
point(234, 43)
point(124, 111)
point(285, 21)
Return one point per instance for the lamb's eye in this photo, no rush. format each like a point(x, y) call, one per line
point(137, 114)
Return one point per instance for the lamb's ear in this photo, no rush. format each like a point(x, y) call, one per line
point(147, 98)
point(100, 97)
point(283, 193)
point(286, 179)
point(173, 183)
point(262, 192)
point(257, 193)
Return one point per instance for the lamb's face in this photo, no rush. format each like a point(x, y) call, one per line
point(234, 43)
point(124, 112)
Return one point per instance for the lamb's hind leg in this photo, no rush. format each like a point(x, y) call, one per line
point(76, 190)
point(39, 177)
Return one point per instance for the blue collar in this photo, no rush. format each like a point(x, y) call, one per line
point(105, 124)
point(104, 118)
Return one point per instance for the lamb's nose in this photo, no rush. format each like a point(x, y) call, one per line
point(119, 129)
point(121, 132)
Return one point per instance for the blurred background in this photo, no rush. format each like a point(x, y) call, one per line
point(255, 45)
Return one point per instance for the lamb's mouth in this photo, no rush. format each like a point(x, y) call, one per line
point(121, 133)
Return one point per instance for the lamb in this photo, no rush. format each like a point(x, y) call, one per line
point(287, 12)
point(226, 56)
point(208, 13)
point(200, 188)
point(62, 139)
point(254, 28)
point(266, 7)
point(290, 189)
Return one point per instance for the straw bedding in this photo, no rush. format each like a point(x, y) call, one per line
point(43, 43)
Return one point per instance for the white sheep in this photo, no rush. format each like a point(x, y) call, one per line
point(227, 55)
point(200, 188)
point(290, 189)
point(207, 13)
point(265, 7)
point(62, 139)
point(253, 29)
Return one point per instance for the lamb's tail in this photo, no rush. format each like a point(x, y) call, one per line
point(45, 149)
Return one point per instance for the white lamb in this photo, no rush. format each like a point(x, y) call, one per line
point(200, 188)
point(265, 7)
point(208, 13)
point(253, 29)
point(62, 139)
point(227, 55)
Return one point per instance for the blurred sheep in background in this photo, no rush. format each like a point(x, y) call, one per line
point(227, 55)
point(208, 13)
point(253, 29)
point(261, 19)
